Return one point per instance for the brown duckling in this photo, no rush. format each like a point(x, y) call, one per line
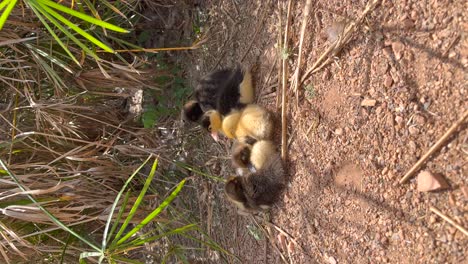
point(258, 190)
point(222, 90)
point(253, 121)
point(250, 156)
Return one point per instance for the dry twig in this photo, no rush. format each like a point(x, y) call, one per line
point(301, 41)
point(280, 52)
point(448, 219)
point(434, 148)
point(272, 241)
point(284, 105)
point(341, 41)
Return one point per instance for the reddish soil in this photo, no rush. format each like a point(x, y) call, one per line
point(344, 203)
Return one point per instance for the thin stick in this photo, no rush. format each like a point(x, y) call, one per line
point(254, 38)
point(270, 239)
point(301, 41)
point(448, 219)
point(267, 80)
point(280, 52)
point(434, 148)
point(284, 103)
point(340, 42)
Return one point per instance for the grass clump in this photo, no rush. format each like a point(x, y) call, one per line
point(75, 139)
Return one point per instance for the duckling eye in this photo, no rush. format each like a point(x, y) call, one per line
point(209, 128)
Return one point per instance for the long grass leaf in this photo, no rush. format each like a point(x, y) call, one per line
point(155, 213)
point(51, 58)
point(76, 28)
point(142, 241)
point(4, 3)
point(114, 205)
point(138, 200)
point(46, 212)
point(7, 12)
point(82, 16)
point(51, 31)
point(119, 216)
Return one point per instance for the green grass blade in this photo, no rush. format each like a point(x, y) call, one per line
point(85, 255)
point(119, 216)
point(142, 241)
point(199, 172)
point(7, 11)
point(4, 3)
point(82, 16)
point(46, 212)
point(155, 213)
point(114, 205)
point(37, 10)
point(77, 29)
point(54, 59)
point(138, 200)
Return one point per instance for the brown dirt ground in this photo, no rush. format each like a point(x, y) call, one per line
point(343, 203)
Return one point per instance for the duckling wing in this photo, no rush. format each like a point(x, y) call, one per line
point(209, 87)
point(256, 122)
point(229, 93)
point(265, 186)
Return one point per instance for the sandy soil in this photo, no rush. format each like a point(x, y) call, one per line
point(344, 203)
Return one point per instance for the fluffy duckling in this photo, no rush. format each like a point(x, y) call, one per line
point(251, 156)
point(253, 121)
point(259, 190)
point(222, 90)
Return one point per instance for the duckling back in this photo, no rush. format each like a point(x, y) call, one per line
point(256, 122)
point(236, 92)
point(210, 86)
point(261, 152)
point(263, 188)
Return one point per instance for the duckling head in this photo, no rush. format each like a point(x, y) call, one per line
point(235, 192)
point(192, 111)
point(241, 158)
point(212, 122)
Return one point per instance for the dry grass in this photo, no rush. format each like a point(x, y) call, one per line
point(67, 136)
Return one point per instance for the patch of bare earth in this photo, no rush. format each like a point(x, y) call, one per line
point(344, 203)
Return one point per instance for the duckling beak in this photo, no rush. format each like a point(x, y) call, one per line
point(251, 168)
point(214, 135)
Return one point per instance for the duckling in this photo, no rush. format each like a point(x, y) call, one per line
point(222, 90)
point(260, 190)
point(192, 111)
point(253, 121)
point(250, 157)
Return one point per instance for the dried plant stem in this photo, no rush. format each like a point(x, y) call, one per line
point(270, 239)
point(301, 41)
point(449, 220)
point(254, 37)
point(434, 148)
point(341, 41)
point(284, 102)
point(280, 53)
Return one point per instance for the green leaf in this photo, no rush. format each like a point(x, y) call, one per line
point(6, 13)
point(72, 25)
point(40, 13)
point(153, 214)
point(82, 16)
point(117, 198)
point(144, 240)
point(149, 117)
point(255, 232)
point(119, 216)
point(138, 200)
